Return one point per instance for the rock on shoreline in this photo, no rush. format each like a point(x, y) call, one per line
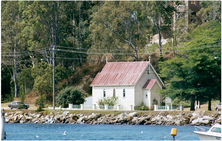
point(132, 118)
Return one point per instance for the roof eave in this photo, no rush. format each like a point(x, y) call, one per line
point(156, 74)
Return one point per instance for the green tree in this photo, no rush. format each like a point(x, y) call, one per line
point(160, 13)
point(70, 95)
point(40, 102)
point(10, 26)
point(195, 74)
point(42, 75)
point(6, 75)
point(59, 26)
point(25, 80)
point(118, 25)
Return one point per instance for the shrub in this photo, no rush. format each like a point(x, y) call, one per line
point(40, 102)
point(111, 101)
point(85, 70)
point(70, 95)
point(141, 108)
point(155, 102)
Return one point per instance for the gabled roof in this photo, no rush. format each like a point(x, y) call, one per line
point(149, 83)
point(120, 73)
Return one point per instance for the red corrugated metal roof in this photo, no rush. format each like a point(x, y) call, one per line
point(149, 83)
point(120, 73)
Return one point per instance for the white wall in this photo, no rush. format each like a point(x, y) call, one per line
point(125, 102)
point(88, 102)
point(146, 100)
point(132, 92)
point(140, 93)
point(154, 94)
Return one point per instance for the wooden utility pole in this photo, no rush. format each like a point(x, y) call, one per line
point(15, 69)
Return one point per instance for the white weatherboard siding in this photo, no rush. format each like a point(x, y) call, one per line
point(154, 94)
point(124, 102)
point(96, 94)
point(152, 75)
point(128, 100)
point(139, 86)
point(135, 94)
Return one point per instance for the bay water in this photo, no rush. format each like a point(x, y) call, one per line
point(31, 131)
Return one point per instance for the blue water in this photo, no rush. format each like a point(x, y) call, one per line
point(31, 131)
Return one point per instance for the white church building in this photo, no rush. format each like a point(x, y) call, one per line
point(132, 82)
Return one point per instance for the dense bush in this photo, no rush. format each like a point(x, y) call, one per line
point(111, 101)
point(40, 102)
point(70, 95)
point(142, 107)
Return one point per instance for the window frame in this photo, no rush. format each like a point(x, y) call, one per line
point(114, 93)
point(146, 95)
point(104, 93)
point(124, 93)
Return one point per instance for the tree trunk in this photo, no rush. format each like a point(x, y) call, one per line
point(209, 103)
point(136, 55)
point(192, 103)
point(15, 69)
point(160, 38)
point(79, 38)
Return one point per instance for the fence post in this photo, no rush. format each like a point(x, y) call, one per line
point(155, 106)
point(181, 107)
point(168, 107)
point(106, 106)
point(118, 106)
point(94, 106)
point(81, 106)
point(131, 107)
point(70, 106)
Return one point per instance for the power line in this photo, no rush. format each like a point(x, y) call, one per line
point(77, 49)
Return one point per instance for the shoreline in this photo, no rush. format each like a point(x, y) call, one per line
point(186, 118)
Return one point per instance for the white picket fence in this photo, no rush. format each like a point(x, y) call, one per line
point(168, 108)
point(117, 107)
point(94, 107)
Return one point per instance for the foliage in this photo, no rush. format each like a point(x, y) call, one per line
point(6, 94)
point(155, 102)
point(88, 31)
point(40, 102)
point(160, 13)
point(141, 107)
point(85, 70)
point(187, 76)
point(210, 11)
point(42, 74)
point(110, 101)
point(70, 95)
point(123, 25)
point(22, 95)
point(25, 80)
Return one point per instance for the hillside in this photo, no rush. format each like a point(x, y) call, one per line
point(84, 76)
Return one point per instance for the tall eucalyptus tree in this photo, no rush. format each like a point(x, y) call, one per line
point(10, 21)
point(118, 25)
point(161, 15)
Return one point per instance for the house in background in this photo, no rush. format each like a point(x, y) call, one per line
point(132, 82)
